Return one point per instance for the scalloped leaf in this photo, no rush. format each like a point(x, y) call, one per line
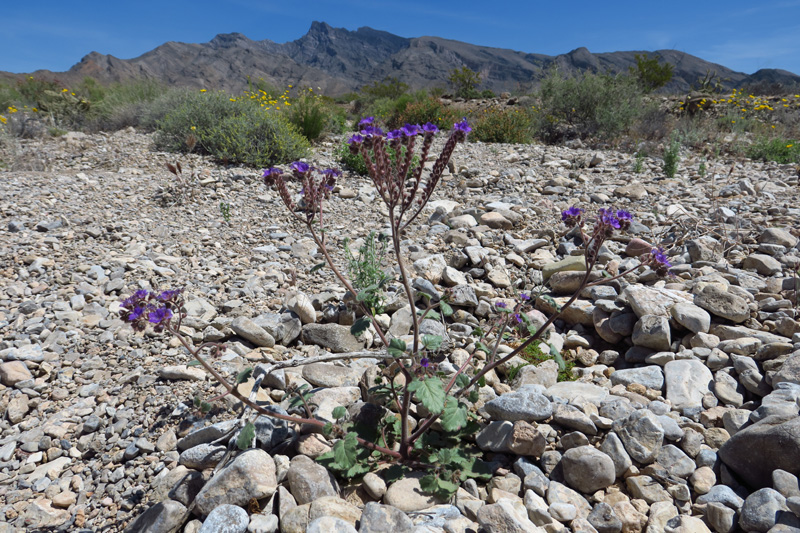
point(246, 436)
point(430, 392)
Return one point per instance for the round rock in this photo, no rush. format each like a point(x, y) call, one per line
point(587, 469)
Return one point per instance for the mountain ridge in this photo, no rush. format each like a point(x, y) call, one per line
point(338, 60)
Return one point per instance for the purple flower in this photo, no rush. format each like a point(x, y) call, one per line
point(300, 167)
point(571, 213)
point(660, 257)
point(332, 172)
point(607, 218)
point(169, 294)
point(366, 121)
point(624, 215)
point(410, 130)
point(372, 131)
point(516, 317)
point(523, 296)
point(501, 305)
point(462, 126)
point(430, 127)
point(141, 294)
point(424, 362)
point(135, 314)
point(272, 171)
point(355, 139)
point(162, 314)
point(394, 134)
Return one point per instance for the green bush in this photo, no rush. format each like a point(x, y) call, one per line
point(124, 105)
point(309, 116)
point(650, 74)
point(465, 82)
point(671, 158)
point(596, 105)
point(510, 125)
point(778, 150)
point(228, 130)
point(391, 88)
point(355, 162)
point(428, 110)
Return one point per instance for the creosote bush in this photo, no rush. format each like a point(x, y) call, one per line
point(230, 131)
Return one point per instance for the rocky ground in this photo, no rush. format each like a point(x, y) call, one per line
point(683, 416)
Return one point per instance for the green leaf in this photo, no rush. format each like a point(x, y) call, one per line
point(551, 301)
point(475, 468)
point(432, 342)
point(359, 326)
point(345, 452)
point(473, 396)
point(437, 486)
point(429, 314)
point(397, 348)
point(462, 381)
point(193, 362)
point(246, 436)
point(205, 407)
point(316, 267)
point(430, 392)
point(446, 309)
point(367, 292)
point(339, 412)
point(454, 416)
point(562, 365)
point(244, 375)
point(482, 347)
point(327, 429)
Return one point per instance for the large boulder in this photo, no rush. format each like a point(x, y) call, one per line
point(756, 451)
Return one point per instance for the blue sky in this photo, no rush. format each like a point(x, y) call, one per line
point(744, 36)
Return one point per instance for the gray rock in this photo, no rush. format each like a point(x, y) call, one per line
point(464, 296)
point(785, 483)
point(603, 519)
point(724, 495)
point(571, 390)
point(377, 518)
point(688, 381)
point(652, 331)
point(648, 489)
point(524, 404)
point(164, 517)
point(573, 418)
point(407, 495)
point(202, 456)
point(330, 375)
point(722, 519)
point(778, 236)
point(495, 436)
point(587, 469)
point(761, 510)
point(651, 376)
point(728, 389)
point(722, 303)
point(330, 524)
point(300, 304)
point(226, 518)
point(207, 434)
point(756, 451)
point(690, 316)
point(334, 337)
point(652, 300)
point(506, 517)
point(762, 263)
point(309, 480)
point(250, 475)
point(249, 330)
point(559, 493)
point(789, 372)
point(431, 267)
point(675, 461)
point(642, 435)
point(613, 447)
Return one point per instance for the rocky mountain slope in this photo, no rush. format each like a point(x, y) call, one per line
point(338, 60)
point(683, 415)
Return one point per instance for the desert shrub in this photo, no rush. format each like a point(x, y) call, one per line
point(671, 158)
point(123, 105)
point(465, 82)
point(230, 131)
point(596, 105)
point(778, 149)
point(389, 87)
point(309, 116)
point(650, 74)
point(510, 125)
point(428, 110)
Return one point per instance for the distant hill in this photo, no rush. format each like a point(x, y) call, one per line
point(338, 61)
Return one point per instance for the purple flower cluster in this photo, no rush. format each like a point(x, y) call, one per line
point(572, 216)
point(317, 184)
point(144, 307)
point(659, 261)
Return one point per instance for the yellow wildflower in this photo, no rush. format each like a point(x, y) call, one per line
point(202, 90)
point(12, 109)
point(3, 119)
point(194, 128)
